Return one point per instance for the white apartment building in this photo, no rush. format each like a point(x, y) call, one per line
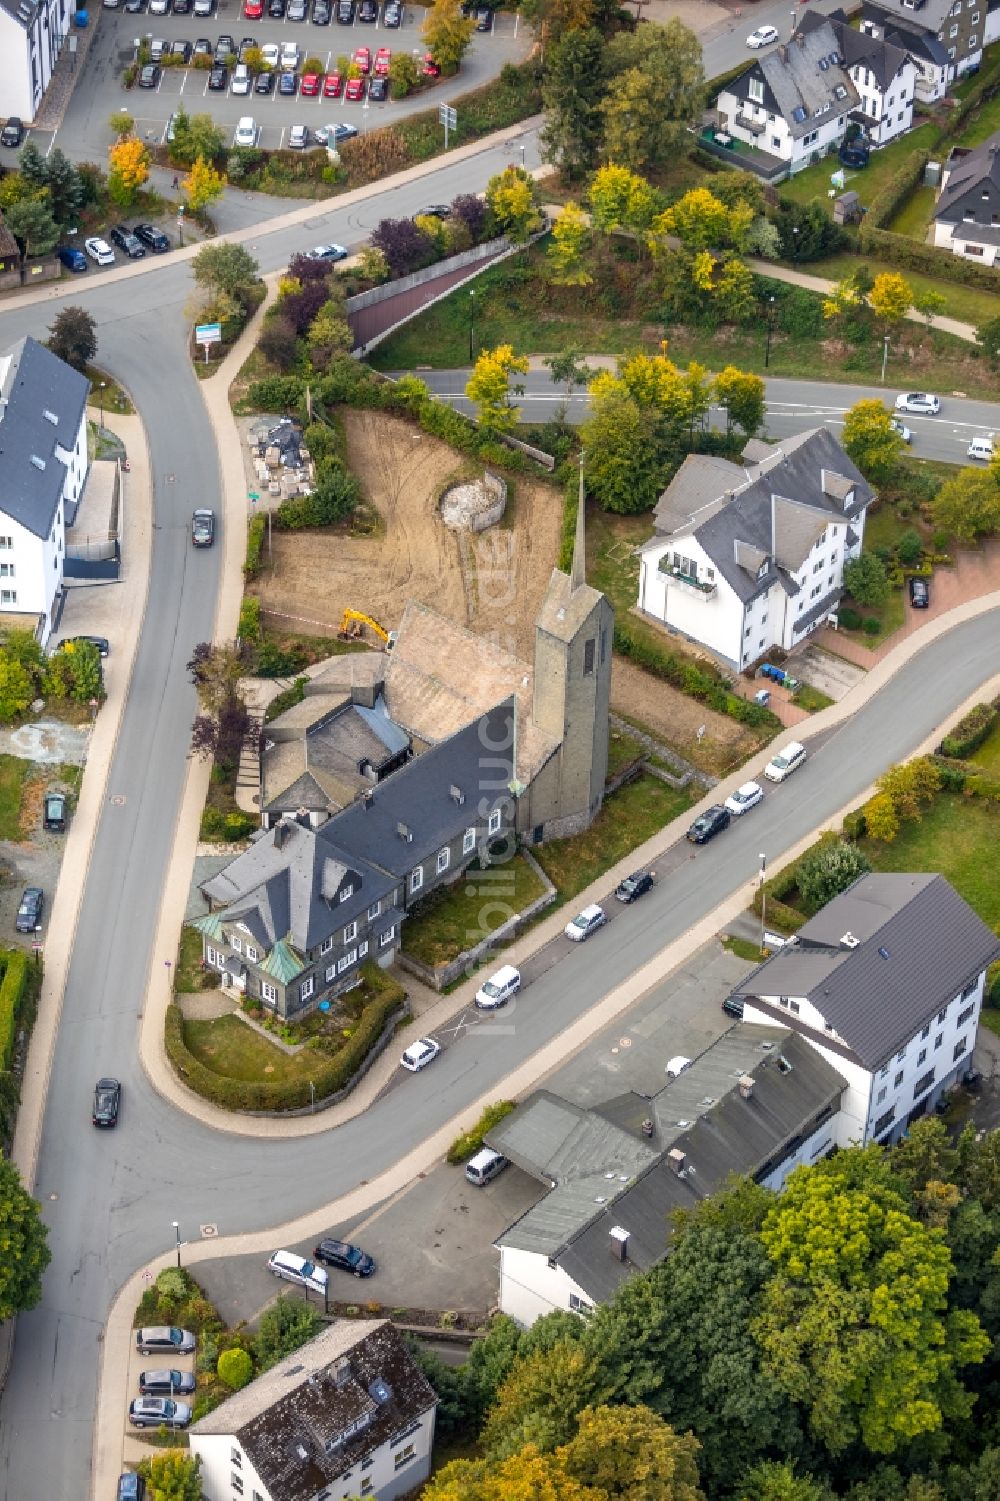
point(32, 35)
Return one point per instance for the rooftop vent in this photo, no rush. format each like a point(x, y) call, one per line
point(824, 63)
point(405, 832)
point(380, 1390)
point(799, 114)
point(38, 463)
point(302, 1452)
point(647, 1127)
point(746, 1086)
point(280, 834)
point(849, 941)
point(456, 794)
point(367, 798)
point(883, 953)
point(784, 1067)
point(840, 91)
point(50, 417)
point(619, 1242)
point(340, 1370)
point(676, 1160)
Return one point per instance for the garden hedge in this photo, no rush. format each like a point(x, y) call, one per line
point(469, 1142)
point(15, 976)
point(696, 680)
point(328, 1075)
point(255, 545)
point(970, 732)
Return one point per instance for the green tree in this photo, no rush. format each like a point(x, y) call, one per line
point(172, 1476)
point(196, 136)
point(65, 189)
point(776, 1480)
point(570, 238)
point(526, 1476)
point(568, 370)
point(225, 268)
point(656, 97)
point(489, 387)
point(16, 693)
point(632, 1454)
point(403, 74)
point(743, 397)
point(854, 1323)
point(572, 92)
point(540, 1400)
point(620, 199)
point(23, 1235)
point(73, 336)
point(929, 304)
point(120, 123)
point(865, 580)
point(32, 166)
point(828, 869)
point(235, 1368)
point(283, 1327)
point(622, 467)
point(988, 339)
point(909, 548)
point(31, 222)
point(967, 505)
point(511, 197)
point(871, 441)
point(447, 34)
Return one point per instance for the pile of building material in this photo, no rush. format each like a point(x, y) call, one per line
point(281, 460)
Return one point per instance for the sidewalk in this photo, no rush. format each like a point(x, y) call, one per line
point(823, 284)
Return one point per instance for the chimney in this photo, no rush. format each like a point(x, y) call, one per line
point(676, 1160)
point(619, 1243)
point(340, 1370)
point(647, 1127)
point(367, 798)
point(302, 815)
point(456, 794)
point(783, 53)
point(280, 834)
point(849, 941)
point(405, 832)
point(746, 1086)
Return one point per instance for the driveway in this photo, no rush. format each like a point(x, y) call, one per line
point(832, 675)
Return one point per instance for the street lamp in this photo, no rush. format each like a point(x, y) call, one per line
point(522, 158)
point(885, 355)
point(312, 1097)
point(472, 326)
point(795, 241)
point(769, 310)
point(177, 1237)
point(763, 900)
point(100, 399)
point(792, 13)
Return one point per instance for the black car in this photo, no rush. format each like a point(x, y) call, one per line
point(12, 133)
point(920, 594)
point(153, 239)
point(225, 48)
point(264, 83)
point(99, 642)
point(55, 812)
point(246, 45)
point(123, 237)
point(167, 1383)
point(218, 78)
point(183, 7)
point(203, 528)
point(345, 12)
point(711, 822)
point(203, 47)
point(321, 12)
point(149, 76)
point(107, 1102)
point(29, 914)
point(378, 90)
point(635, 886)
point(484, 19)
point(367, 11)
point(435, 211)
point(345, 1257)
point(733, 1006)
point(181, 49)
point(392, 15)
point(276, 10)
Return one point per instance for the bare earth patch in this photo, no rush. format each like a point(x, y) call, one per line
point(493, 583)
point(676, 719)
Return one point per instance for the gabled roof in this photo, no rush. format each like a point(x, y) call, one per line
point(318, 754)
point(882, 58)
point(928, 15)
point(918, 944)
point(21, 11)
point(971, 175)
point(44, 400)
point(702, 481)
point(803, 81)
point(317, 1413)
point(915, 32)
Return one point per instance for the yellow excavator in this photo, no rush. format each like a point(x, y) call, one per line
point(353, 620)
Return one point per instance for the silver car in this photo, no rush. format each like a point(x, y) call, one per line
point(152, 1412)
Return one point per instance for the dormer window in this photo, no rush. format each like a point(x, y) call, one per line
point(236, 943)
point(345, 892)
point(757, 90)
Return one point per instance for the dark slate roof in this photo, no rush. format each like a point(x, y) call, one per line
point(478, 761)
point(37, 388)
point(821, 607)
point(701, 1113)
point(970, 175)
point(930, 16)
point(22, 11)
point(796, 86)
point(914, 32)
point(919, 944)
point(284, 1419)
point(883, 58)
point(702, 480)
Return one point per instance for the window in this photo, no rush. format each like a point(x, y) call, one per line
point(970, 989)
point(963, 1016)
point(236, 1458)
point(268, 993)
point(8, 596)
point(347, 961)
point(747, 631)
point(884, 1072)
point(236, 943)
point(938, 1040)
point(345, 892)
point(366, 1464)
point(402, 1457)
point(973, 42)
point(968, 250)
point(367, 1486)
point(362, 948)
point(880, 1096)
point(387, 938)
point(6, 570)
point(6, 542)
point(959, 1049)
point(252, 953)
point(237, 1483)
point(898, 1080)
point(494, 824)
point(900, 1055)
point(923, 1085)
point(374, 910)
point(757, 90)
point(579, 1305)
point(921, 1056)
point(443, 860)
point(883, 1121)
point(468, 841)
point(326, 945)
point(306, 988)
point(925, 1032)
point(416, 878)
point(331, 972)
point(942, 1014)
point(257, 1496)
point(952, 32)
point(350, 932)
point(951, 54)
point(817, 567)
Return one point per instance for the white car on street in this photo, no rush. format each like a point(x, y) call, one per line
point(499, 988)
point(419, 1054)
point(327, 253)
point(762, 37)
point(921, 403)
point(901, 428)
point(294, 1268)
point(99, 250)
point(587, 922)
point(745, 798)
point(246, 131)
point(785, 762)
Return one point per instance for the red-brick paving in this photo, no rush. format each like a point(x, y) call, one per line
point(780, 702)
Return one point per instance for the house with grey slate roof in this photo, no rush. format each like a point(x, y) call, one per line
point(945, 38)
point(883, 72)
point(747, 558)
point(967, 213)
point(349, 1414)
point(43, 469)
point(33, 33)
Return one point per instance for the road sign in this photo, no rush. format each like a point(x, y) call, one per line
point(208, 333)
point(448, 117)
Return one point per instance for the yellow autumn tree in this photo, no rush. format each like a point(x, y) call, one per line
point(620, 199)
point(129, 169)
point(447, 33)
point(890, 298)
point(703, 222)
point(570, 238)
point(202, 185)
point(489, 387)
point(511, 200)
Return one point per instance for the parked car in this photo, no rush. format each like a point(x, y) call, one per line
point(100, 643)
point(711, 822)
point(635, 886)
point(123, 237)
point(182, 7)
point(153, 239)
point(156, 1412)
point(321, 12)
point(289, 56)
point(981, 448)
point(159, 1339)
point(12, 133)
point(298, 137)
point(204, 7)
point(264, 83)
point(383, 61)
point(54, 812)
point(131, 1486)
point(368, 11)
point(745, 798)
point(332, 135)
point(585, 923)
point(920, 402)
point(345, 1257)
point(392, 16)
point(157, 47)
point(430, 69)
point(218, 79)
point(419, 1054)
point(296, 10)
point(181, 49)
point(276, 10)
point(363, 58)
point(498, 989)
point(733, 1006)
point(291, 1267)
point(29, 913)
point(378, 90)
point(99, 251)
point(247, 44)
point(435, 211)
point(107, 1102)
point(73, 259)
point(203, 47)
point(327, 253)
point(271, 53)
point(345, 12)
point(484, 18)
point(355, 89)
point(253, 10)
point(225, 48)
point(242, 80)
point(920, 593)
point(159, 7)
point(333, 86)
point(785, 762)
point(309, 87)
point(901, 428)
point(288, 83)
point(133, 7)
point(203, 527)
point(246, 135)
point(762, 37)
point(149, 76)
point(167, 1383)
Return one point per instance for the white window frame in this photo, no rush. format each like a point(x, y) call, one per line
point(416, 878)
point(346, 891)
point(350, 932)
point(252, 953)
point(374, 910)
point(362, 948)
point(387, 937)
point(236, 944)
point(493, 827)
point(346, 961)
point(331, 972)
point(307, 988)
point(326, 945)
point(268, 993)
point(443, 860)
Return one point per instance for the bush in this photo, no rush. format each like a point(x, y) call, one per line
point(229, 828)
point(249, 626)
point(854, 824)
point(255, 545)
point(871, 626)
point(953, 778)
point(275, 661)
point(235, 1368)
point(848, 618)
point(970, 732)
point(469, 1142)
point(826, 870)
point(277, 393)
point(287, 700)
point(909, 548)
point(335, 496)
point(330, 1074)
point(15, 976)
point(697, 680)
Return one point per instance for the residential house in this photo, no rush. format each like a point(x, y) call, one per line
point(292, 918)
point(886, 983)
point(749, 558)
point(967, 213)
point(992, 32)
point(10, 257)
point(795, 101)
point(32, 36)
point(945, 38)
point(43, 468)
point(350, 1414)
point(884, 74)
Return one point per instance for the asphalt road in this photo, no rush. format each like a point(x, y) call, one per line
point(792, 406)
point(110, 1198)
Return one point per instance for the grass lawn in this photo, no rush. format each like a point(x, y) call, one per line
point(968, 304)
point(629, 817)
point(988, 754)
point(189, 974)
point(229, 1047)
point(743, 949)
point(814, 182)
point(884, 527)
point(810, 698)
point(623, 749)
point(958, 837)
point(13, 775)
point(890, 617)
point(456, 917)
point(984, 122)
point(915, 215)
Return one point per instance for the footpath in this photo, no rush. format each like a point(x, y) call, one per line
point(824, 284)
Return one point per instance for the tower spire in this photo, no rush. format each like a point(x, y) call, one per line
point(578, 572)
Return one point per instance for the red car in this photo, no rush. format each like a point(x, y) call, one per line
point(333, 86)
point(430, 68)
point(355, 89)
point(383, 57)
point(253, 9)
point(309, 87)
point(363, 58)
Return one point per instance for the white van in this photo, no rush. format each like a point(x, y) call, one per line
point(498, 989)
point(485, 1166)
point(981, 448)
point(785, 762)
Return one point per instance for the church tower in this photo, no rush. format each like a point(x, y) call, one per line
point(571, 692)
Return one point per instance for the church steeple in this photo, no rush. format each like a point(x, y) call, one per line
point(578, 572)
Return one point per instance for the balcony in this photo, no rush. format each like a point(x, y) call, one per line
point(687, 582)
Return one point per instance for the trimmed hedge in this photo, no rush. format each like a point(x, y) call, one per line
point(328, 1074)
point(469, 1142)
point(15, 976)
point(255, 546)
point(970, 732)
point(696, 680)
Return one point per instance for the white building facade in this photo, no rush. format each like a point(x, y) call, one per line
point(33, 33)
